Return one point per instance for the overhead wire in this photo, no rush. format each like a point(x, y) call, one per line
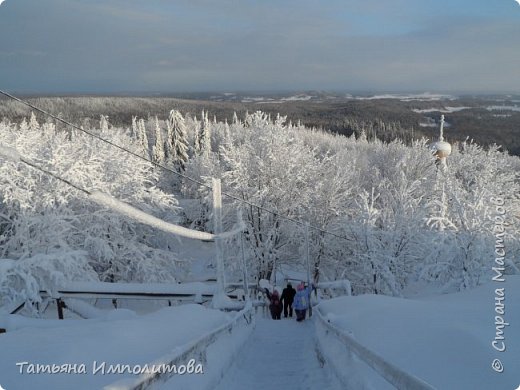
point(123, 208)
point(159, 165)
point(43, 170)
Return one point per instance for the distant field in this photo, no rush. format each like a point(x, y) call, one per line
point(486, 119)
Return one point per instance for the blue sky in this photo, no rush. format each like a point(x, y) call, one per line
point(103, 46)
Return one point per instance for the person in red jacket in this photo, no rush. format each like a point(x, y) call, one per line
point(275, 305)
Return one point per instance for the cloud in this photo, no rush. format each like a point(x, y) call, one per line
point(1, 1)
point(231, 44)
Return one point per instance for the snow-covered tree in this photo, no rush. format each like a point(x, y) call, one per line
point(135, 131)
point(142, 138)
point(50, 232)
point(178, 139)
point(205, 135)
point(334, 182)
point(382, 214)
point(33, 123)
point(269, 168)
point(103, 123)
point(158, 148)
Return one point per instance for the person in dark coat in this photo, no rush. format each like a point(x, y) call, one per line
point(287, 299)
point(275, 305)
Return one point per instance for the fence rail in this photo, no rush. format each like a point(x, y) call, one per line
point(198, 292)
point(180, 355)
point(337, 285)
point(394, 375)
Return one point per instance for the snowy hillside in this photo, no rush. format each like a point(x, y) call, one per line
point(381, 215)
point(103, 207)
point(445, 340)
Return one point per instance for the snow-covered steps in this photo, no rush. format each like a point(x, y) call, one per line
point(279, 355)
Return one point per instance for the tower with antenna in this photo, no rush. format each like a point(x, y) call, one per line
point(441, 149)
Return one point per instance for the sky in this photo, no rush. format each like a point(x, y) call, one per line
point(161, 46)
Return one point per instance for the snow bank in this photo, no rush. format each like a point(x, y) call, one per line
point(132, 341)
point(85, 310)
point(222, 301)
point(264, 284)
point(444, 340)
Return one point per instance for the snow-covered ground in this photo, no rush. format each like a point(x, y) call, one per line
point(445, 340)
point(503, 108)
point(426, 96)
point(446, 109)
point(260, 99)
point(430, 122)
point(121, 337)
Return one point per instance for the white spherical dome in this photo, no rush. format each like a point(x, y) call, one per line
point(441, 149)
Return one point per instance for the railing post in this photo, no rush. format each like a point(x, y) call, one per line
point(60, 304)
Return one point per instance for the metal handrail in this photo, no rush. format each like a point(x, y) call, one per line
point(181, 354)
point(394, 375)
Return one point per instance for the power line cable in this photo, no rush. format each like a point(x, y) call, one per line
point(123, 207)
point(101, 138)
point(43, 170)
point(231, 196)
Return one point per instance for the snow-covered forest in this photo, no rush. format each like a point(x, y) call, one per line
point(383, 215)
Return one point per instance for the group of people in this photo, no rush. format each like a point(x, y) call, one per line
point(298, 299)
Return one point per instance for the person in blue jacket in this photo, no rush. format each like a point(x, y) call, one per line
point(301, 301)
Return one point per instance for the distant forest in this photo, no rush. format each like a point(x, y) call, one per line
point(386, 119)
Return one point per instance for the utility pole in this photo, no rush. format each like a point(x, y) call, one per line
point(244, 267)
point(307, 256)
point(217, 222)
